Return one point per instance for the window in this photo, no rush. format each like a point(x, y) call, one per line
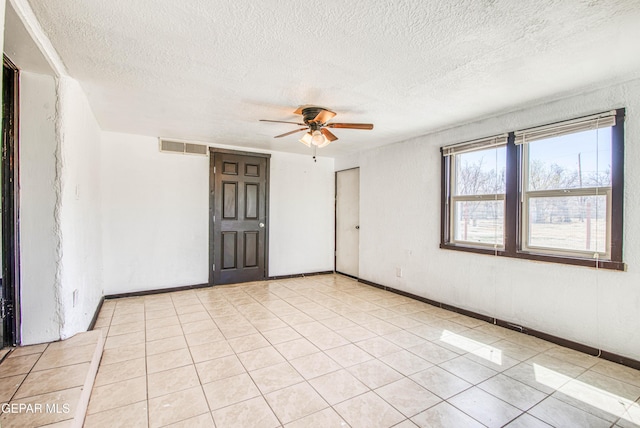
point(551, 193)
point(478, 193)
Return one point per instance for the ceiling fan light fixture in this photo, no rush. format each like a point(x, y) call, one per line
point(306, 139)
point(325, 143)
point(317, 138)
point(316, 121)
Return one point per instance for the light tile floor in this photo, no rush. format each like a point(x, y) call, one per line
point(48, 384)
point(328, 351)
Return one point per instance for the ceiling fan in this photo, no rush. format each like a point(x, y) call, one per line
point(316, 123)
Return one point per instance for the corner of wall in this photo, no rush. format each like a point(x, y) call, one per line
point(78, 194)
point(349, 161)
point(58, 185)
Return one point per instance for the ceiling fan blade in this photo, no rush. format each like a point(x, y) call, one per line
point(350, 125)
point(292, 132)
point(324, 116)
point(281, 121)
point(328, 134)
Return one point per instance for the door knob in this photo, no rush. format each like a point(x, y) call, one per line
point(261, 225)
point(358, 227)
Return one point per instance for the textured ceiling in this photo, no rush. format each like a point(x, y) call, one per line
point(20, 47)
point(207, 70)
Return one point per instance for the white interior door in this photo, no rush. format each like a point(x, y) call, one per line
point(348, 221)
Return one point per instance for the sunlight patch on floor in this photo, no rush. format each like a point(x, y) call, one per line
point(482, 350)
point(590, 395)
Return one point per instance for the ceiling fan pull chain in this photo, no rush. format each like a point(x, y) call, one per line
point(314, 153)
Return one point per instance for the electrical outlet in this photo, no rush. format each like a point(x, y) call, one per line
point(399, 272)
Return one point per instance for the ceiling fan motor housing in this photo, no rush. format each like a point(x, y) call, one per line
point(317, 121)
point(310, 113)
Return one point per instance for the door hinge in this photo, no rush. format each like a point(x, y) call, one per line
point(213, 267)
point(214, 169)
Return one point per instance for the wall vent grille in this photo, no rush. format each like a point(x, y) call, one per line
point(195, 149)
point(170, 146)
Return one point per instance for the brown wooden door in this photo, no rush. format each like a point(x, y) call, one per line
point(238, 212)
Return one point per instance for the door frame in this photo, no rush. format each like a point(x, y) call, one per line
point(11, 205)
point(212, 181)
point(335, 222)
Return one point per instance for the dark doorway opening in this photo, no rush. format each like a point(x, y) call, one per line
point(9, 187)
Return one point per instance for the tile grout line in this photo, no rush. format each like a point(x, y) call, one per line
point(262, 395)
point(323, 351)
point(146, 366)
point(26, 376)
point(206, 399)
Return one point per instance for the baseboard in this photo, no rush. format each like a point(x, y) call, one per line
point(347, 275)
point(6, 354)
point(92, 324)
point(300, 275)
point(197, 286)
point(155, 291)
point(580, 347)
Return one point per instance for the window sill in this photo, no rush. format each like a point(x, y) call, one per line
point(600, 264)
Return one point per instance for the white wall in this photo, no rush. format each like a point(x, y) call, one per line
point(400, 227)
point(301, 209)
point(2, 12)
point(60, 212)
point(155, 215)
point(39, 215)
point(80, 209)
point(347, 162)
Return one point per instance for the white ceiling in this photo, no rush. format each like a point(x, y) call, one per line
point(20, 47)
point(207, 70)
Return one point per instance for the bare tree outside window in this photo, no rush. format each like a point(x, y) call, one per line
point(551, 192)
point(480, 185)
point(568, 180)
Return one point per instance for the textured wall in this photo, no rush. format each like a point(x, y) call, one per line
point(60, 209)
point(155, 215)
point(400, 227)
point(40, 245)
point(80, 216)
point(301, 214)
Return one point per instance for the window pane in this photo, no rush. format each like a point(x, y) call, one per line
point(571, 161)
point(481, 172)
point(575, 223)
point(479, 222)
